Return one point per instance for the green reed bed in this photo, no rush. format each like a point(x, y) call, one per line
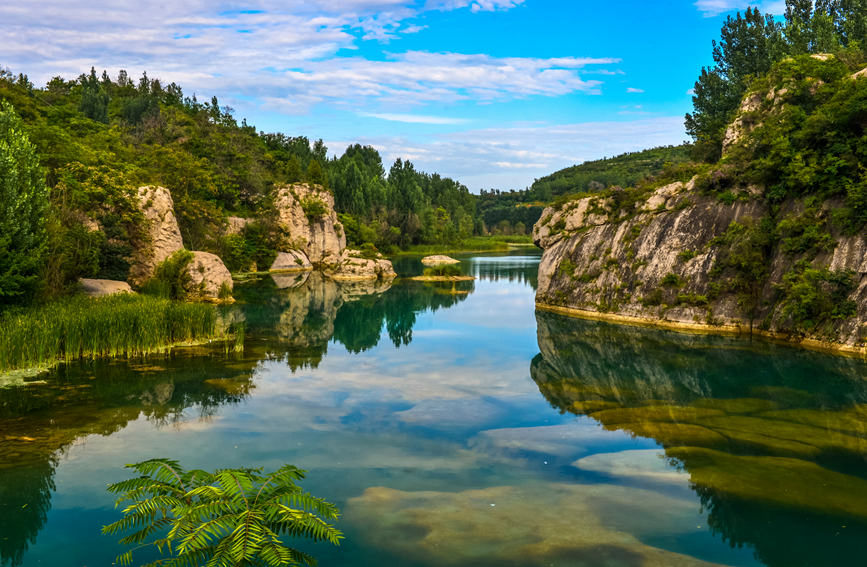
point(119, 325)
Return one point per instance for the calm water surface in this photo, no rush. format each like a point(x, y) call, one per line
point(455, 426)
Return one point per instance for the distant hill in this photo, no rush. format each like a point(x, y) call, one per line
point(624, 170)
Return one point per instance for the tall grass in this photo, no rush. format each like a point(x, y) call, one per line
point(119, 325)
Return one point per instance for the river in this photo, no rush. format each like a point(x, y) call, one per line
point(454, 425)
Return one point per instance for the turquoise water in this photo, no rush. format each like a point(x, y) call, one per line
point(454, 425)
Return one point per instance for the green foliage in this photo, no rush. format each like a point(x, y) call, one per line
point(23, 204)
point(672, 280)
point(742, 261)
point(750, 45)
point(94, 98)
point(315, 173)
point(257, 244)
point(687, 255)
point(171, 279)
point(594, 176)
point(567, 268)
point(812, 296)
point(228, 518)
point(98, 195)
point(807, 232)
point(314, 209)
point(118, 325)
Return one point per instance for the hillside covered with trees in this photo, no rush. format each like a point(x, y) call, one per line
point(94, 139)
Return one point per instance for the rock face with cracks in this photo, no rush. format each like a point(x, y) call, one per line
point(306, 213)
point(661, 263)
point(162, 229)
point(208, 276)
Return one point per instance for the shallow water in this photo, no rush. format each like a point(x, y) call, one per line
point(455, 426)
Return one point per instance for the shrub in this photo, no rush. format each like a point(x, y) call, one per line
point(812, 296)
point(314, 209)
point(687, 255)
point(171, 279)
point(671, 280)
point(23, 206)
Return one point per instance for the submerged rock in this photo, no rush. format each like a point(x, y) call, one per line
point(528, 525)
point(438, 260)
point(162, 230)
point(100, 288)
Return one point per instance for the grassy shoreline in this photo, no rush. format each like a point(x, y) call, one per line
point(116, 326)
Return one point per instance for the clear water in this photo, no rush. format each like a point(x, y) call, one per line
point(453, 425)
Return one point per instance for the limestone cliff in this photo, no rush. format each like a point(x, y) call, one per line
point(771, 239)
point(668, 261)
point(307, 214)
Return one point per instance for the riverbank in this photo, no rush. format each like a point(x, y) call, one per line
point(705, 329)
point(37, 338)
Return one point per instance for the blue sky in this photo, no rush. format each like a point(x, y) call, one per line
point(494, 93)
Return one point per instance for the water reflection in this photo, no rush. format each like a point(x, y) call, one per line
point(41, 421)
point(290, 318)
point(774, 446)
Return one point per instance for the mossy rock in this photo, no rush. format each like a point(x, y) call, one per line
point(736, 405)
point(654, 413)
point(781, 481)
point(673, 434)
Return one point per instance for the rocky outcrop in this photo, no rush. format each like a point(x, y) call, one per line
point(101, 288)
point(743, 124)
point(292, 261)
point(306, 213)
point(163, 233)
point(236, 225)
point(663, 263)
point(358, 265)
point(209, 277)
point(438, 260)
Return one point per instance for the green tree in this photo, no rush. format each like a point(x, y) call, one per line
point(229, 518)
point(749, 45)
point(94, 98)
point(23, 206)
point(315, 173)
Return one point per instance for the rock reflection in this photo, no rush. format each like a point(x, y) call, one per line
point(309, 310)
point(774, 446)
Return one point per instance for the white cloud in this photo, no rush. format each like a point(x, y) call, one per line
point(513, 156)
point(634, 90)
point(414, 118)
point(283, 53)
point(710, 8)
